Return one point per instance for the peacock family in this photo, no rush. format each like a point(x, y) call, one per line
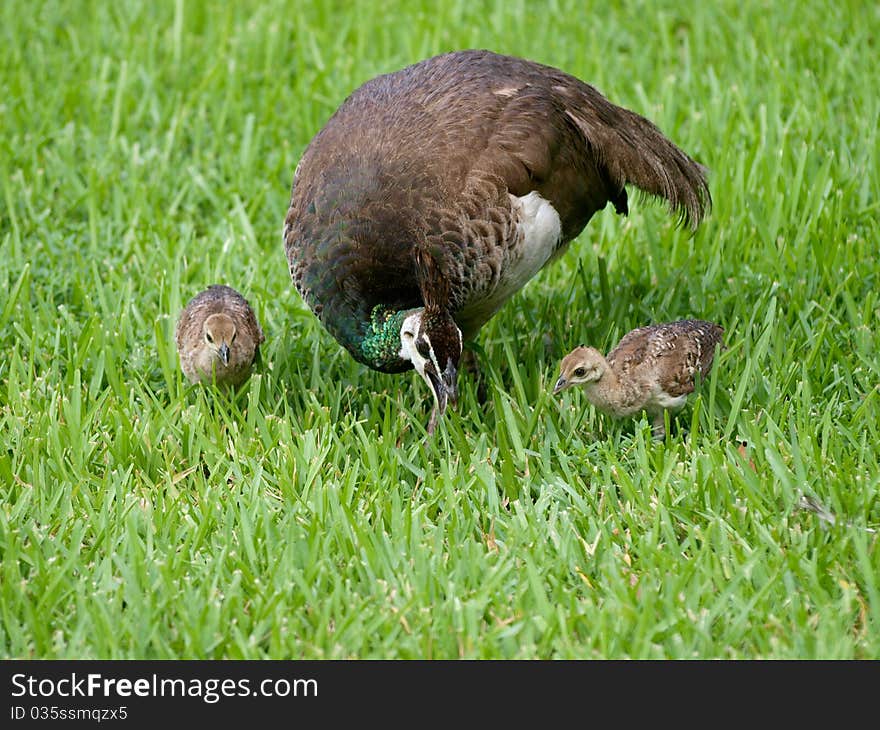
point(435, 193)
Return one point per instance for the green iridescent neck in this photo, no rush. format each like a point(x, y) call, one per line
point(381, 343)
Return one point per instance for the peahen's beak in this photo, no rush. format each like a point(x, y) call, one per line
point(437, 389)
point(450, 382)
point(445, 386)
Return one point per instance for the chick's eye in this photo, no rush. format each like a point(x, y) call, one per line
point(232, 339)
point(580, 372)
point(208, 337)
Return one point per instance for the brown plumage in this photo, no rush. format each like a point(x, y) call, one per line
point(652, 369)
point(218, 336)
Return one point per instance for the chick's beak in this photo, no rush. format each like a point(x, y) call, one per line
point(224, 353)
point(561, 385)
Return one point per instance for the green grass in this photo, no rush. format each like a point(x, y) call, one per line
point(148, 150)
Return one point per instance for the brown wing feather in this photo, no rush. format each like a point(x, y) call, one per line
point(634, 348)
point(672, 353)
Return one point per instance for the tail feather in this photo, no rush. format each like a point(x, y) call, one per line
point(635, 152)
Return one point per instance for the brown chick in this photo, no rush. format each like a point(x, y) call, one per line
point(652, 369)
point(218, 337)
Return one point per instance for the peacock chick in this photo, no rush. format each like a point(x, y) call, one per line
point(652, 369)
point(218, 337)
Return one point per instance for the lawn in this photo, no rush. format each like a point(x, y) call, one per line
point(148, 150)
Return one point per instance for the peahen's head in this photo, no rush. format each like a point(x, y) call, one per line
point(431, 341)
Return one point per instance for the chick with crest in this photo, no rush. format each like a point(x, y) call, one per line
point(218, 337)
point(652, 369)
